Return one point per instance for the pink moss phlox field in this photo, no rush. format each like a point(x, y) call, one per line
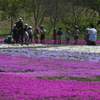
point(28, 88)
point(59, 54)
point(44, 66)
point(63, 41)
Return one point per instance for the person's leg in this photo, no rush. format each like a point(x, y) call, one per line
point(93, 43)
point(17, 37)
point(67, 40)
point(22, 38)
point(54, 40)
point(60, 41)
point(41, 39)
point(31, 39)
point(75, 39)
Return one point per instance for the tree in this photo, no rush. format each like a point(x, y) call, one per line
point(95, 5)
point(38, 9)
point(11, 9)
point(74, 10)
point(56, 8)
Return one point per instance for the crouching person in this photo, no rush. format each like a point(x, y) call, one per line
point(92, 34)
point(8, 39)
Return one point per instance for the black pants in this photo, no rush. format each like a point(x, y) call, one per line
point(91, 43)
point(42, 37)
point(19, 36)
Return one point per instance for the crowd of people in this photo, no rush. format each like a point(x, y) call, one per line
point(90, 35)
point(23, 34)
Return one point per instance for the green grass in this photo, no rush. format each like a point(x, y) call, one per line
point(4, 32)
point(97, 78)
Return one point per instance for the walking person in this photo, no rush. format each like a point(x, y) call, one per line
point(36, 34)
point(19, 26)
point(76, 35)
point(92, 34)
point(68, 33)
point(59, 33)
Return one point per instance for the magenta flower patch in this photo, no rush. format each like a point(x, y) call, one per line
point(21, 88)
point(39, 74)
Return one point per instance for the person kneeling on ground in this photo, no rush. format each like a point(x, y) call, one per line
point(8, 39)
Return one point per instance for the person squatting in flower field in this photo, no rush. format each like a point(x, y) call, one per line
point(59, 33)
point(36, 34)
point(42, 34)
point(19, 26)
point(55, 35)
point(26, 35)
point(30, 33)
point(92, 35)
point(68, 33)
point(8, 39)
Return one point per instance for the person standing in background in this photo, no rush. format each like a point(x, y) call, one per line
point(76, 35)
point(59, 33)
point(25, 33)
point(36, 34)
point(19, 26)
point(30, 33)
point(68, 33)
point(42, 34)
point(54, 35)
point(14, 33)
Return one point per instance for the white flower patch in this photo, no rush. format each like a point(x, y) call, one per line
point(79, 48)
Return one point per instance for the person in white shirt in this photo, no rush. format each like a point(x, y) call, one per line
point(92, 35)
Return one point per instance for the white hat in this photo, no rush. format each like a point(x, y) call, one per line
point(14, 25)
point(87, 29)
point(30, 27)
point(20, 19)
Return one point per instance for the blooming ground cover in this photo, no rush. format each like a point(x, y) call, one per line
point(63, 41)
point(50, 73)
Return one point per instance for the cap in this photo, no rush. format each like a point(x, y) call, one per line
point(20, 19)
point(60, 27)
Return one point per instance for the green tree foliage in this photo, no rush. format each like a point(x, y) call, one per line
point(11, 9)
point(67, 12)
